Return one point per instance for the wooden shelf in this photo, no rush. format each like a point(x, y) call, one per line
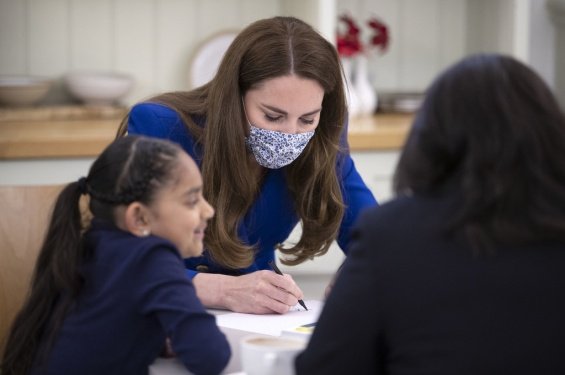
point(83, 137)
point(380, 132)
point(55, 139)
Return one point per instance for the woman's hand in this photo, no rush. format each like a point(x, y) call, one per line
point(260, 292)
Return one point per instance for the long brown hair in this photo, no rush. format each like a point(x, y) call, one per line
point(130, 169)
point(264, 50)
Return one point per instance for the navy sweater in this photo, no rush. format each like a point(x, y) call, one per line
point(135, 295)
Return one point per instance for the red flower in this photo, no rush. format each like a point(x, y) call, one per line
point(381, 37)
point(348, 43)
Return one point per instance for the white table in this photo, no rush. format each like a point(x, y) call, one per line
point(173, 366)
point(247, 325)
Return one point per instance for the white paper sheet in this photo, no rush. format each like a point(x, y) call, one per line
point(272, 324)
point(173, 366)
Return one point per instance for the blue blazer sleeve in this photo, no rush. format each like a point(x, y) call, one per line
point(159, 121)
point(356, 194)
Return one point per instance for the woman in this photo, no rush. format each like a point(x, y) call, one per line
point(463, 272)
point(104, 298)
point(270, 136)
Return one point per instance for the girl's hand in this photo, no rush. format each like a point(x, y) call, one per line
point(168, 349)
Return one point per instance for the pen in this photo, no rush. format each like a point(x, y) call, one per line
point(276, 269)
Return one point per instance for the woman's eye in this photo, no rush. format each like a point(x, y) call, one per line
point(192, 203)
point(307, 121)
point(272, 118)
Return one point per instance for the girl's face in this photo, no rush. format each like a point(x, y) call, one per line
point(288, 104)
point(179, 212)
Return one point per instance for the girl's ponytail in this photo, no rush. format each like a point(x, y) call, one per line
point(62, 252)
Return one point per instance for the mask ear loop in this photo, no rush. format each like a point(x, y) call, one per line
point(248, 125)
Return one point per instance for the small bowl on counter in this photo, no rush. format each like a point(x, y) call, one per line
point(98, 88)
point(400, 102)
point(23, 90)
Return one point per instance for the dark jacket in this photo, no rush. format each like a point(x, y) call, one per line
point(412, 300)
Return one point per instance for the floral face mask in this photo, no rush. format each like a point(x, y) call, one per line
point(273, 149)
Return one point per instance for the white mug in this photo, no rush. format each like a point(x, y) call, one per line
point(269, 355)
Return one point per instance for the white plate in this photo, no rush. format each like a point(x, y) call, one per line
point(207, 58)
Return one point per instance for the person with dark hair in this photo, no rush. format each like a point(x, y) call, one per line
point(269, 132)
point(461, 273)
point(104, 298)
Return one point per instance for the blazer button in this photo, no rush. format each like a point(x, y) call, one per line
point(202, 268)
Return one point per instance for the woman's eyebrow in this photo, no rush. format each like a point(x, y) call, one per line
point(282, 112)
point(193, 190)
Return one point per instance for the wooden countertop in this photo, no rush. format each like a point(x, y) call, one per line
point(57, 131)
point(74, 133)
point(384, 131)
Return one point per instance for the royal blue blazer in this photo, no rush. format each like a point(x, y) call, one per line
point(271, 217)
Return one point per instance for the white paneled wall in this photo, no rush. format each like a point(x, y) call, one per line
point(428, 35)
point(151, 39)
point(155, 39)
point(425, 36)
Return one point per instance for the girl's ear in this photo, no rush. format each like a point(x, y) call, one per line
point(136, 219)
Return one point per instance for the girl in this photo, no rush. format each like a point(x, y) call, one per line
point(104, 299)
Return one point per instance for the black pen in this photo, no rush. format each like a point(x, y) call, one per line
point(276, 269)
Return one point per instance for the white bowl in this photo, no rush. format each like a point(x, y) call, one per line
point(22, 91)
point(98, 87)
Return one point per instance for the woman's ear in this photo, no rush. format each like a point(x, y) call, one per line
point(136, 219)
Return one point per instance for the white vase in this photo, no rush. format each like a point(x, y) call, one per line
point(353, 104)
point(365, 91)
